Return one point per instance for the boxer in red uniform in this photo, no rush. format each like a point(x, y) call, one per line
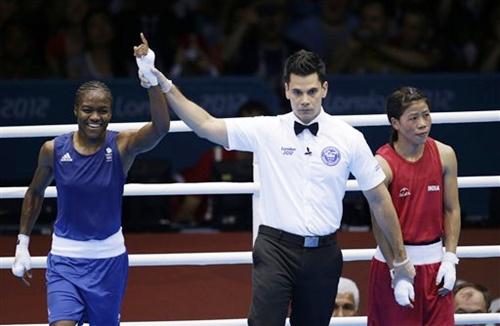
point(421, 175)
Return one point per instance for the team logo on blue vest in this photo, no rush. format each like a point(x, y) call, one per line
point(330, 156)
point(109, 154)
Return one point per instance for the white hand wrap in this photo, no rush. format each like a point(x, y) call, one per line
point(447, 271)
point(22, 261)
point(404, 269)
point(165, 83)
point(404, 292)
point(146, 64)
point(144, 82)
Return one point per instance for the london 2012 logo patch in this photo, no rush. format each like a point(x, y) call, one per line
point(330, 156)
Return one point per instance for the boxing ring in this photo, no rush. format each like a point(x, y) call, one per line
point(245, 257)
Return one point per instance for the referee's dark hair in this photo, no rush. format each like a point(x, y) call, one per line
point(304, 63)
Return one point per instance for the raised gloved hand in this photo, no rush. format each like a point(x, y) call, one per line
point(404, 292)
point(447, 273)
point(145, 59)
point(148, 74)
point(22, 262)
point(146, 66)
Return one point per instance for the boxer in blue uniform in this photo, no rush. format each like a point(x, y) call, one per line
point(87, 267)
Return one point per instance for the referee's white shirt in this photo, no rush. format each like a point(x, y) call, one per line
point(302, 193)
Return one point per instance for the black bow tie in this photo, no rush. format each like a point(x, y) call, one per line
point(298, 127)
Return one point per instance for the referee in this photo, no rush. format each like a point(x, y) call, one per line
point(305, 158)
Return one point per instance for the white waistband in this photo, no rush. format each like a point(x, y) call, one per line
point(112, 246)
point(419, 255)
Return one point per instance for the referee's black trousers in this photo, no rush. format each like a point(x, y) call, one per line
point(289, 277)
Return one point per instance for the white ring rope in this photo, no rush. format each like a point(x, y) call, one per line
point(151, 189)
point(179, 126)
point(252, 187)
point(205, 188)
point(460, 319)
point(245, 257)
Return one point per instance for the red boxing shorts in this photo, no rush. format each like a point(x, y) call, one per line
point(429, 308)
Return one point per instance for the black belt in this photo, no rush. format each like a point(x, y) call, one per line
point(422, 243)
point(301, 241)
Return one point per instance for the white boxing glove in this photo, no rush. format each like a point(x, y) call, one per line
point(22, 261)
point(447, 273)
point(146, 64)
point(404, 292)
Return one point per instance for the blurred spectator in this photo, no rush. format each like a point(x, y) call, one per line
point(471, 298)
point(8, 10)
point(18, 54)
point(256, 42)
point(203, 27)
point(490, 50)
point(360, 54)
point(192, 58)
point(462, 38)
point(100, 59)
point(347, 300)
point(324, 28)
point(211, 37)
point(217, 164)
point(34, 17)
point(158, 22)
point(413, 49)
point(69, 40)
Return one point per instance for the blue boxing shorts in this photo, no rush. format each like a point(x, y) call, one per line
point(86, 290)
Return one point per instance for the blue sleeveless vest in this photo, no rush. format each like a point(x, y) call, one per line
point(89, 189)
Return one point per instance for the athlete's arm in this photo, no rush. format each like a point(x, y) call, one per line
point(33, 199)
point(32, 204)
point(132, 143)
point(447, 271)
point(384, 246)
point(451, 201)
point(386, 218)
point(202, 123)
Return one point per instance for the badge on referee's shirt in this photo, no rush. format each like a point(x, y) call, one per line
point(330, 156)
